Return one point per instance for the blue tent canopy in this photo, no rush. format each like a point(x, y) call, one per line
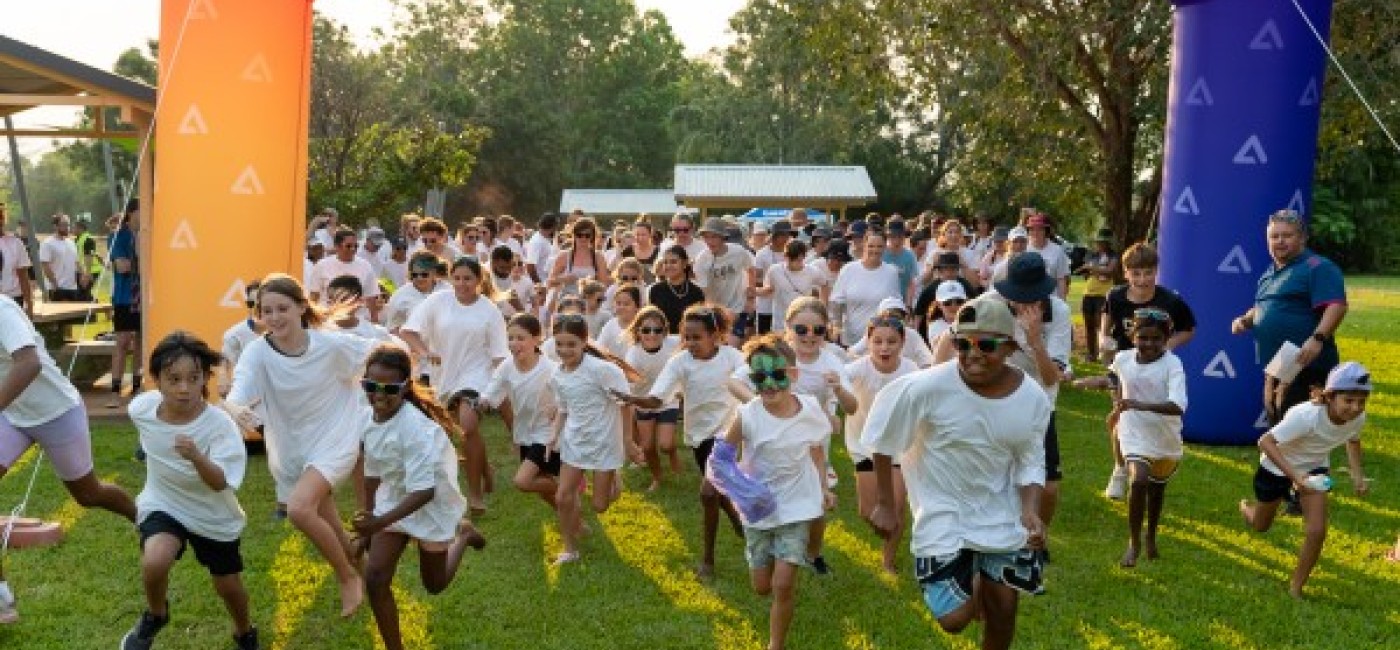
point(767, 216)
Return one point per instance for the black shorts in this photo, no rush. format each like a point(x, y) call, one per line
point(868, 465)
point(1270, 487)
point(742, 322)
point(221, 558)
point(469, 395)
point(702, 452)
point(765, 323)
point(1052, 452)
point(126, 318)
point(535, 454)
point(663, 416)
point(1092, 307)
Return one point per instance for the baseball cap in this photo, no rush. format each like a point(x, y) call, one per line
point(376, 234)
point(985, 313)
point(897, 229)
point(858, 229)
point(950, 290)
point(821, 232)
point(1018, 233)
point(891, 303)
point(1001, 233)
point(760, 229)
point(714, 226)
point(839, 250)
point(1349, 376)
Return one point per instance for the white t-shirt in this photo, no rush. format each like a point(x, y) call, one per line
point(324, 236)
point(709, 407)
point(693, 249)
point(237, 339)
point(915, 349)
point(469, 338)
point(531, 399)
point(1058, 335)
point(539, 251)
point(173, 485)
point(330, 267)
point(725, 278)
point(62, 257)
point(14, 258)
point(375, 259)
point(313, 403)
point(613, 338)
point(404, 300)
point(861, 290)
point(396, 273)
point(650, 364)
point(764, 259)
point(789, 285)
point(1140, 433)
point(1056, 261)
point(306, 267)
point(963, 456)
point(865, 382)
point(782, 447)
point(1306, 437)
point(592, 435)
point(408, 453)
point(364, 329)
point(821, 272)
point(966, 256)
point(50, 394)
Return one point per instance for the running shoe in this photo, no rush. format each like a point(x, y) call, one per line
point(246, 641)
point(1117, 484)
point(143, 635)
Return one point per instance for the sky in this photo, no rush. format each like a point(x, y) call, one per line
point(95, 32)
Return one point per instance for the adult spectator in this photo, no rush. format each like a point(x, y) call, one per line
point(1100, 267)
point(683, 235)
point(722, 270)
point(1056, 259)
point(88, 258)
point(126, 304)
point(860, 288)
point(539, 251)
point(59, 258)
point(1301, 299)
point(15, 266)
point(345, 261)
point(897, 254)
point(323, 227)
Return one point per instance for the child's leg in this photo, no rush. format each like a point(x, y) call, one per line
point(1314, 534)
point(1156, 498)
point(437, 568)
point(997, 603)
point(158, 554)
point(1259, 515)
point(384, 553)
point(1137, 506)
point(311, 508)
point(607, 487)
point(531, 478)
point(666, 445)
point(474, 450)
point(92, 493)
point(893, 542)
point(784, 589)
point(566, 501)
point(710, 503)
point(235, 596)
point(646, 439)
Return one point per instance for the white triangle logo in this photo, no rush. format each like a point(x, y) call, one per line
point(235, 295)
point(193, 122)
point(1296, 203)
point(1199, 95)
point(257, 71)
point(1310, 94)
point(1186, 202)
point(1263, 421)
point(247, 182)
point(1235, 263)
point(183, 239)
point(203, 10)
point(1267, 38)
point(1251, 153)
point(1220, 367)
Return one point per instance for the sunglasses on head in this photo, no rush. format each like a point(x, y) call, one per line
point(984, 344)
point(371, 387)
point(651, 330)
point(1152, 314)
point(815, 330)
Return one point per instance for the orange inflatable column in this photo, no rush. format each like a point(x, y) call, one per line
point(230, 173)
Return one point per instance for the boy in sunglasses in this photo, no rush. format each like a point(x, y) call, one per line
point(970, 439)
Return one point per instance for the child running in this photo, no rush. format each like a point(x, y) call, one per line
point(1296, 458)
point(1148, 402)
point(701, 373)
point(588, 431)
point(411, 479)
point(783, 433)
point(194, 465)
point(649, 351)
point(524, 381)
point(866, 376)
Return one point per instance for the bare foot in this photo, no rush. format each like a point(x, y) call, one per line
point(1150, 546)
point(352, 595)
point(1295, 592)
point(470, 535)
point(890, 569)
point(1393, 555)
point(705, 572)
point(1247, 512)
point(1129, 558)
point(654, 485)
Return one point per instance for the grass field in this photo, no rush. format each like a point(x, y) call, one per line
point(1216, 586)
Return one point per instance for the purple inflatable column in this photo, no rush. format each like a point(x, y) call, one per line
point(1242, 121)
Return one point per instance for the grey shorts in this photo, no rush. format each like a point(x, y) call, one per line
point(785, 543)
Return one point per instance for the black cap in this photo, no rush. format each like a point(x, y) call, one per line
point(839, 250)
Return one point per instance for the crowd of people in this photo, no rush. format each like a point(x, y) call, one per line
point(934, 350)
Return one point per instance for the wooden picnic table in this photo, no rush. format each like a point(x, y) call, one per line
point(53, 319)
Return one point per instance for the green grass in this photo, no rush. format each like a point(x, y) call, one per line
point(1217, 586)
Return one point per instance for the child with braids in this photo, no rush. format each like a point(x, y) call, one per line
point(411, 479)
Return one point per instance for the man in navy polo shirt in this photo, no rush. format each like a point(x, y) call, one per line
point(1301, 299)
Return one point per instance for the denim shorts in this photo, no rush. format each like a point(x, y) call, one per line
point(786, 543)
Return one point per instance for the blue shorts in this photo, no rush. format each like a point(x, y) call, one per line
point(946, 580)
point(662, 416)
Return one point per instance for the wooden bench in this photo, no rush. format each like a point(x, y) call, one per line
point(91, 360)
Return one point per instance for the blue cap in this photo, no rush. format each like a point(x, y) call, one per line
point(1349, 376)
point(858, 228)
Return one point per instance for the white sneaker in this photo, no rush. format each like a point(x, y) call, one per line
point(831, 478)
point(1117, 484)
point(8, 614)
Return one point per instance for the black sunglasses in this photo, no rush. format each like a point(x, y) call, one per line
point(371, 387)
point(779, 375)
point(803, 330)
point(984, 344)
point(953, 302)
point(420, 274)
point(651, 330)
point(681, 229)
point(570, 318)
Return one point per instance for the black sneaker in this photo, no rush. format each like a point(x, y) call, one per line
point(820, 567)
point(143, 635)
point(246, 641)
point(140, 453)
point(1292, 506)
